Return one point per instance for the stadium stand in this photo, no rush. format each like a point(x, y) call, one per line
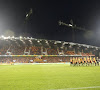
point(50, 51)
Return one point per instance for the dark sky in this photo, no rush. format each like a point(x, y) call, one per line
point(43, 23)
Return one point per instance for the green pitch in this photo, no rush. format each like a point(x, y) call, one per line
point(48, 77)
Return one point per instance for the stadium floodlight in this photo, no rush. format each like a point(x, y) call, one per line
point(26, 15)
point(13, 37)
point(70, 25)
point(5, 37)
point(20, 37)
point(38, 41)
point(2, 36)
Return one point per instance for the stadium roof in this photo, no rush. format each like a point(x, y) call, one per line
point(39, 40)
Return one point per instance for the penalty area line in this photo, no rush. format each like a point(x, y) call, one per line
point(77, 88)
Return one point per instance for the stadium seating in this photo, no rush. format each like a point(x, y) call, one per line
point(37, 46)
point(31, 46)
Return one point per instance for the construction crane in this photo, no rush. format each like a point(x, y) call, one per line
point(28, 15)
point(74, 27)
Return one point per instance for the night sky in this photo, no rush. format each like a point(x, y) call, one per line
point(43, 23)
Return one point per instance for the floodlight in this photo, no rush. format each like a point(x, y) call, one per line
point(26, 15)
point(2, 36)
point(5, 37)
point(70, 25)
point(38, 41)
point(13, 37)
point(21, 37)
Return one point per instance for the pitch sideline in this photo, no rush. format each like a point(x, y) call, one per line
point(77, 88)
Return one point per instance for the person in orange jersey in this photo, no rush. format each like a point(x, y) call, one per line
point(91, 61)
point(71, 62)
point(94, 61)
point(88, 61)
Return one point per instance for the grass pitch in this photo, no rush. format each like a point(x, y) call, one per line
point(48, 77)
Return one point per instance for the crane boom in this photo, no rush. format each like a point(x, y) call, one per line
point(74, 27)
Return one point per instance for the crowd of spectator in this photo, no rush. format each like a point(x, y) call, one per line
point(3, 50)
point(35, 50)
point(16, 59)
point(52, 51)
point(20, 47)
point(56, 59)
point(34, 59)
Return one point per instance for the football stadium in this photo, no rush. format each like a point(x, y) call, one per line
point(49, 45)
point(27, 63)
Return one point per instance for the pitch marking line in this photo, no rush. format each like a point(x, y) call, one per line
point(77, 88)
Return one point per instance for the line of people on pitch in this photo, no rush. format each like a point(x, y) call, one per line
point(84, 62)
